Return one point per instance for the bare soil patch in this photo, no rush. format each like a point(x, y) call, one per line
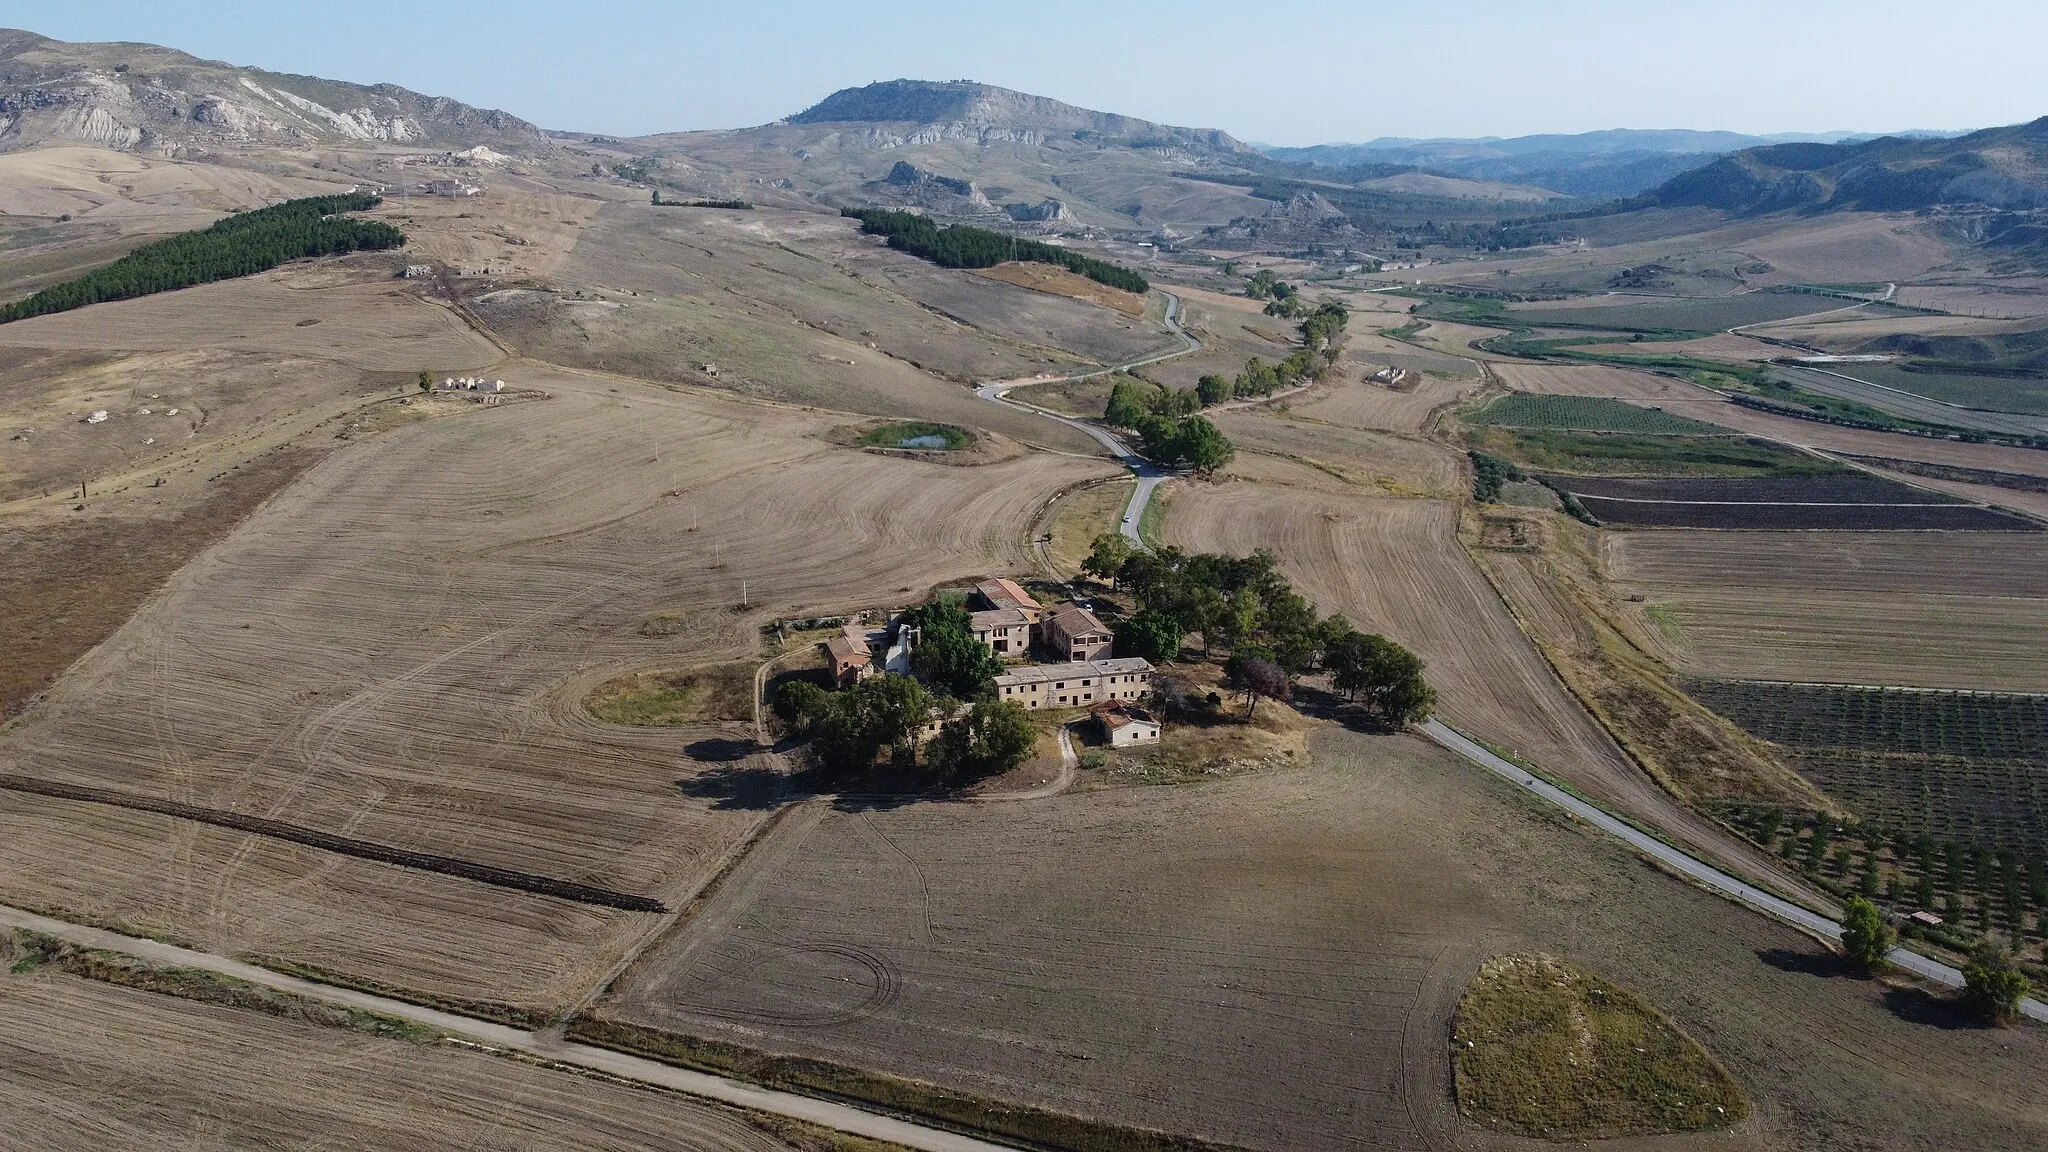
point(65, 587)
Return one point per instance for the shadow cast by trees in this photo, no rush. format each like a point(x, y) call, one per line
point(1798, 961)
point(740, 787)
point(1918, 1006)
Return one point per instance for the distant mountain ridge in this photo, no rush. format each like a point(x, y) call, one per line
point(985, 106)
point(1998, 167)
point(1613, 162)
point(146, 98)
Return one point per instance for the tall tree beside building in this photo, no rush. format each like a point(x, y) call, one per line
point(989, 739)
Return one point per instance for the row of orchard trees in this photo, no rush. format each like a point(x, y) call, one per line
point(952, 680)
point(965, 246)
point(239, 245)
point(1273, 633)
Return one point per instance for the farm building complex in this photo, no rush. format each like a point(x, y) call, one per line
point(1076, 684)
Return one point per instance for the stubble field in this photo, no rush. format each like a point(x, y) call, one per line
point(1273, 961)
point(396, 651)
point(91, 1066)
point(1934, 609)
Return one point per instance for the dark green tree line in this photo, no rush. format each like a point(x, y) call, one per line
point(240, 245)
point(965, 246)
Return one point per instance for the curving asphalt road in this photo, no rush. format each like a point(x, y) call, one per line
point(1150, 476)
point(1688, 865)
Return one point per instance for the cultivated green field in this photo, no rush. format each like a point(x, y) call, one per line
point(1635, 454)
point(1696, 314)
point(1585, 414)
point(1994, 393)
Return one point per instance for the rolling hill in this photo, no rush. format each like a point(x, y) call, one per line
point(144, 98)
point(1997, 167)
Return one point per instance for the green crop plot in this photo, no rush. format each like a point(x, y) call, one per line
point(1694, 314)
point(1585, 414)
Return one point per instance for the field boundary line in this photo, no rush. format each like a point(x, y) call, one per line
point(341, 845)
point(826, 1113)
point(1693, 868)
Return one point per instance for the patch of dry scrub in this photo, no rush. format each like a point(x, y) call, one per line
point(1545, 1050)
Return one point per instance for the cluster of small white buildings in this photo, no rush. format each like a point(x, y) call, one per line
point(471, 384)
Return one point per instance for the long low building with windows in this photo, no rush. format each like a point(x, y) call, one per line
point(1077, 684)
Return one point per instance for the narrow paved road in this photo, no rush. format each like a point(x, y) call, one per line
point(824, 1113)
point(1149, 475)
point(1689, 865)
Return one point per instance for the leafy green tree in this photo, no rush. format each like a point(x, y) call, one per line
point(1152, 635)
point(1389, 675)
point(1107, 555)
point(947, 658)
point(1866, 938)
point(1129, 404)
point(1212, 390)
point(964, 246)
point(1993, 983)
point(802, 705)
point(426, 381)
point(990, 738)
point(1239, 622)
point(885, 711)
point(1204, 447)
point(1260, 284)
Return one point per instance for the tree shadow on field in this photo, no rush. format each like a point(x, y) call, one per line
point(1826, 965)
point(1918, 1006)
point(1321, 703)
point(739, 787)
point(720, 749)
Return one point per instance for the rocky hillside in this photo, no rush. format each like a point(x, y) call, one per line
point(2003, 168)
point(960, 109)
point(140, 97)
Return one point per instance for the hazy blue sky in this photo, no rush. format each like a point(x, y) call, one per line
point(1284, 73)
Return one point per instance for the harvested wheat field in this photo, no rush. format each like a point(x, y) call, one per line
point(396, 650)
point(1060, 282)
point(372, 325)
point(1929, 609)
point(90, 1066)
point(1364, 404)
point(1274, 961)
point(1397, 567)
point(1382, 463)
